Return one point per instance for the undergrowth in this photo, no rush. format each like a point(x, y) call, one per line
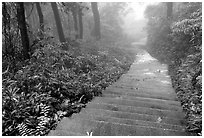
point(56, 83)
point(178, 43)
point(187, 82)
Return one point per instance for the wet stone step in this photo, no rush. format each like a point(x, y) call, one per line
point(139, 110)
point(136, 87)
point(64, 133)
point(133, 116)
point(145, 99)
point(134, 122)
point(141, 89)
point(139, 94)
point(102, 128)
point(136, 103)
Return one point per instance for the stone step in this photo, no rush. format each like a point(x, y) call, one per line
point(136, 103)
point(158, 72)
point(154, 83)
point(158, 86)
point(149, 88)
point(137, 73)
point(140, 73)
point(141, 103)
point(103, 128)
point(137, 89)
point(139, 110)
point(140, 94)
point(64, 133)
point(133, 116)
point(134, 122)
point(145, 99)
point(144, 72)
point(137, 86)
point(159, 83)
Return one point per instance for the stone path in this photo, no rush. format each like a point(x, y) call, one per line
point(141, 103)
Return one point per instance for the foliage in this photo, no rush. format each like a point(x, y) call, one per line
point(178, 42)
point(187, 81)
point(69, 6)
point(111, 20)
point(55, 83)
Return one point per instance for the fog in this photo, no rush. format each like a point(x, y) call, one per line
point(134, 22)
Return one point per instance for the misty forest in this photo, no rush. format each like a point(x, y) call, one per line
point(59, 56)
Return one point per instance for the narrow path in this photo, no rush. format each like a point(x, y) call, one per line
point(141, 103)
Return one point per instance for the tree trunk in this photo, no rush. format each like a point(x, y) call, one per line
point(80, 23)
point(40, 14)
point(4, 25)
point(58, 22)
point(69, 24)
point(169, 15)
point(96, 16)
point(32, 19)
point(169, 9)
point(23, 29)
point(74, 14)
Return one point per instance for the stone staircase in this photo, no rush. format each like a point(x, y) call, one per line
point(141, 103)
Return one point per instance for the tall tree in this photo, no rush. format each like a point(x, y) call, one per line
point(23, 29)
point(32, 19)
point(169, 13)
point(72, 7)
point(169, 9)
point(58, 22)
point(97, 29)
point(74, 14)
point(40, 14)
point(80, 16)
point(5, 25)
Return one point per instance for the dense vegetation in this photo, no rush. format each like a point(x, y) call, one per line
point(175, 38)
point(58, 78)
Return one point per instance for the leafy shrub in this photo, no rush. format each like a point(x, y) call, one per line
point(188, 77)
point(56, 83)
point(178, 42)
point(187, 81)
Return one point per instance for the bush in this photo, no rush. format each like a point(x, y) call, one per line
point(178, 42)
point(187, 81)
point(55, 83)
